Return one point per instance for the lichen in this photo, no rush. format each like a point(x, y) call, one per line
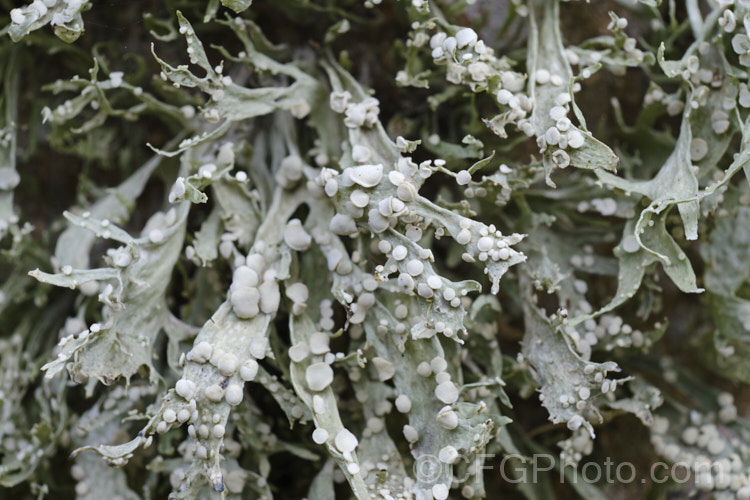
point(379, 249)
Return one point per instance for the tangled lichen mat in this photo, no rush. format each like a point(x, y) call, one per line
point(374, 249)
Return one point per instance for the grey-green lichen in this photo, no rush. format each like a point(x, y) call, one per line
point(293, 255)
